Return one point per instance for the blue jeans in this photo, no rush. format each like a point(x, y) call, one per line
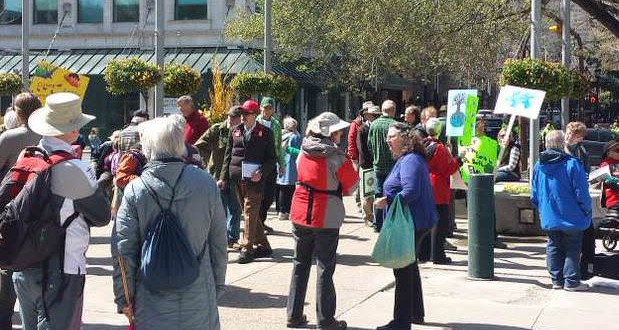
point(232, 207)
point(563, 257)
point(379, 213)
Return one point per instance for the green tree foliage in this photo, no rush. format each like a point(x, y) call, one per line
point(353, 42)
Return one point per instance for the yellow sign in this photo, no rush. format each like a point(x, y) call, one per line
point(49, 79)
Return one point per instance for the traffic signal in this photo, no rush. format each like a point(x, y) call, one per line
point(593, 99)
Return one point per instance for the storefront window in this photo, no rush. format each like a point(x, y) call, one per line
point(10, 12)
point(126, 11)
point(90, 11)
point(45, 11)
point(190, 9)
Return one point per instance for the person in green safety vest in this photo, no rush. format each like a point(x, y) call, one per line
point(481, 155)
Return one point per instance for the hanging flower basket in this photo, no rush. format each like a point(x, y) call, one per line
point(553, 78)
point(129, 75)
point(180, 79)
point(10, 84)
point(280, 87)
point(283, 88)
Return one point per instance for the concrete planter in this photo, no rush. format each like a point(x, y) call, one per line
point(515, 215)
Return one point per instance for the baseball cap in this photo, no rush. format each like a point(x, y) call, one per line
point(267, 101)
point(250, 106)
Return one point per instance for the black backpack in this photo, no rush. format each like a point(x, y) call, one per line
point(30, 228)
point(167, 261)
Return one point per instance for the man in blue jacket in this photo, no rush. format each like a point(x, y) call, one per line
point(561, 193)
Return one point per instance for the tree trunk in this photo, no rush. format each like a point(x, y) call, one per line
point(602, 13)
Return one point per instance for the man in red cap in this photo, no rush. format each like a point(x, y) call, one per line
point(250, 154)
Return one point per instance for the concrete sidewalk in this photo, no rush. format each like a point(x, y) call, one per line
point(520, 298)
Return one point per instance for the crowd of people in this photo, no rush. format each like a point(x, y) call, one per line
point(177, 187)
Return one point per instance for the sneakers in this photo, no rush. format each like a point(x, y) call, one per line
point(283, 216)
point(336, 325)
point(579, 287)
point(557, 286)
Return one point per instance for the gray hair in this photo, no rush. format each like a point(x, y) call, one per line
point(388, 107)
point(185, 99)
point(10, 119)
point(163, 137)
point(290, 124)
point(433, 127)
point(555, 140)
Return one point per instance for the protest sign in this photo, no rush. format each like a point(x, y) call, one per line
point(49, 79)
point(457, 108)
point(520, 101)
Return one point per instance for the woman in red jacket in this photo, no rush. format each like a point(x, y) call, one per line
point(325, 175)
point(442, 165)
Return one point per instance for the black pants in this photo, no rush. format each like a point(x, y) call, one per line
point(268, 194)
point(408, 293)
point(439, 232)
point(321, 244)
point(588, 252)
point(285, 198)
point(7, 299)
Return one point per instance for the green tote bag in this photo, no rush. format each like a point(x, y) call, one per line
point(395, 247)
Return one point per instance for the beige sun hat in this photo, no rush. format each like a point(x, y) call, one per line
point(61, 114)
point(326, 123)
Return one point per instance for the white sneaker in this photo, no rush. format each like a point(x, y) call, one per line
point(557, 287)
point(283, 216)
point(579, 287)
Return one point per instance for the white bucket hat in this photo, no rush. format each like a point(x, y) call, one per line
point(326, 123)
point(61, 114)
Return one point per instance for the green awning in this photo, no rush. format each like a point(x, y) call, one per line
point(94, 61)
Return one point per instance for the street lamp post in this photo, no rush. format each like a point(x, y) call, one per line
point(159, 54)
point(267, 36)
point(566, 56)
point(536, 10)
point(25, 44)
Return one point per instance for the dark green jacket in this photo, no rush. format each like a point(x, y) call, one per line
point(212, 146)
point(377, 144)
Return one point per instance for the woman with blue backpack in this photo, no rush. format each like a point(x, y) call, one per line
point(171, 238)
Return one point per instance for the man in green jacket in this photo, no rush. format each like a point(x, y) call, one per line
point(266, 118)
point(381, 155)
point(212, 146)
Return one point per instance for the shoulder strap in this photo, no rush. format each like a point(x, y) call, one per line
point(153, 194)
point(69, 220)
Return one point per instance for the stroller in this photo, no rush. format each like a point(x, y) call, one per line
point(608, 231)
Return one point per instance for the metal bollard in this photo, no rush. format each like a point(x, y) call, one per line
point(481, 216)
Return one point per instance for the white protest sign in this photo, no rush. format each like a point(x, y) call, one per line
point(456, 110)
point(169, 106)
point(520, 101)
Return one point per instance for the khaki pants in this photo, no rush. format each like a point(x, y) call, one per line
point(250, 198)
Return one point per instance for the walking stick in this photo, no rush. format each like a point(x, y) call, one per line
point(123, 276)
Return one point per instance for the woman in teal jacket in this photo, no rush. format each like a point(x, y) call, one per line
point(561, 194)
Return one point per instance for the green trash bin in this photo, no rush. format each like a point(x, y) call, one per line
point(481, 216)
